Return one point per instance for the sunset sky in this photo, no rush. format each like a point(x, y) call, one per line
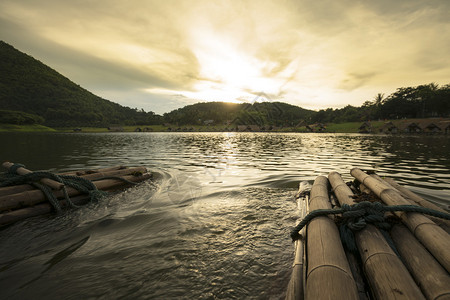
point(162, 55)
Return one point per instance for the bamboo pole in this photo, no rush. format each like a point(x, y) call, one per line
point(121, 172)
point(44, 208)
point(429, 274)
point(354, 263)
point(90, 171)
point(435, 239)
point(387, 276)
point(37, 210)
point(34, 197)
point(117, 171)
point(408, 195)
point(14, 189)
point(329, 275)
point(295, 288)
point(417, 200)
point(22, 171)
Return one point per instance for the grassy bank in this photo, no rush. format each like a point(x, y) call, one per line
point(351, 127)
point(25, 128)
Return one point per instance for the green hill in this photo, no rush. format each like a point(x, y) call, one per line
point(29, 86)
point(223, 113)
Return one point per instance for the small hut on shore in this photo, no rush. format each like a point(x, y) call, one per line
point(318, 127)
point(445, 126)
point(432, 128)
point(366, 127)
point(411, 128)
point(389, 127)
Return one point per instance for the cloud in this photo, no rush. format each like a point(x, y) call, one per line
point(161, 55)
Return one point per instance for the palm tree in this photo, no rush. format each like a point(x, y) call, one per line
point(378, 100)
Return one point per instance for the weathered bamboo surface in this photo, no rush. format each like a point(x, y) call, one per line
point(295, 290)
point(435, 239)
point(328, 274)
point(33, 197)
point(387, 276)
point(429, 274)
point(90, 175)
point(417, 200)
point(44, 208)
point(23, 201)
point(406, 262)
point(22, 171)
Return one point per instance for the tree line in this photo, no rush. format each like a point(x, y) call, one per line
point(423, 101)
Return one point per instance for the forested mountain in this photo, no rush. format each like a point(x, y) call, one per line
point(220, 113)
point(29, 86)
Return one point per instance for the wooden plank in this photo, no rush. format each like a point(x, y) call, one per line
point(387, 275)
point(329, 275)
point(429, 274)
point(433, 237)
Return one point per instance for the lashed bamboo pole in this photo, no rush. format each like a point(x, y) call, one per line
point(37, 210)
point(121, 172)
point(34, 197)
point(22, 171)
point(407, 194)
point(44, 208)
point(387, 275)
point(329, 275)
point(109, 172)
point(14, 189)
point(435, 239)
point(295, 288)
point(429, 274)
point(93, 171)
point(417, 200)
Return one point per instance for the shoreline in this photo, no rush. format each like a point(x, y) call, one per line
point(439, 126)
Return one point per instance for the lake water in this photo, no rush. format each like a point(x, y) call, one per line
point(215, 223)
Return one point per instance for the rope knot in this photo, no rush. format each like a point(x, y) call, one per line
point(357, 216)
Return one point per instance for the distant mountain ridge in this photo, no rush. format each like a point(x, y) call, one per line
point(225, 113)
point(29, 86)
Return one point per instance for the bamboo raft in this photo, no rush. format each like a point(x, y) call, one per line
point(409, 261)
point(19, 202)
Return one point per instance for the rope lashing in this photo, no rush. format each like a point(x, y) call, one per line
point(83, 185)
point(357, 216)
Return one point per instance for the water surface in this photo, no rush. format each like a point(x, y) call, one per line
point(215, 223)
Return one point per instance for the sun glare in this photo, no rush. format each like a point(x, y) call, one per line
point(228, 73)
